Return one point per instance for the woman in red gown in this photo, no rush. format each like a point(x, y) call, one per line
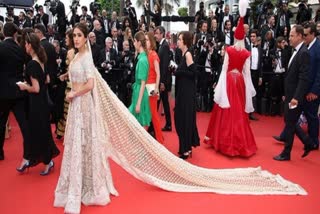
point(229, 131)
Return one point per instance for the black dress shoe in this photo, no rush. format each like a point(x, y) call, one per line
point(307, 150)
point(167, 129)
point(315, 147)
point(278, 138)
point(281, 158)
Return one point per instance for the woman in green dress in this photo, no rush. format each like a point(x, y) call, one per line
point(140, 107)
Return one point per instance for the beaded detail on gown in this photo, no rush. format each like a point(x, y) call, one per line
point(85, 173)
point(109, 129)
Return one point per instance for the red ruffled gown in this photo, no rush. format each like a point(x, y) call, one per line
point(229, 131)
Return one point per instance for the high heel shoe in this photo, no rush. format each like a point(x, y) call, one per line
point(24, 167)
point(190, 154)
point(184, 157)
point(46, 172)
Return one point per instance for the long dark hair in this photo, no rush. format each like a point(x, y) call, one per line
point(69, 34)
point(83, 28)
point(33, 39)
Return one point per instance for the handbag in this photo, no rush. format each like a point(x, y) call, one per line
point(150, 88)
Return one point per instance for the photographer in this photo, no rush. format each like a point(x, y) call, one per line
point(304, 13)
point(126, 68)
point(11, 17)
point(216, 33)
point(30, 15)
point(265, 9)
point(156, 15)
point(223, 16)
point(108, 59)
point(200, 14)
point(131, 13)
point(86, 17)
point(201, 38)
point(283, 19)
point(280, 59)
point(75, 18)
point(24, 21)
point(57, 8)
point(208, 62)
point(41, 16)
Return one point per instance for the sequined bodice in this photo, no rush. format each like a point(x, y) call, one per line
point(81, 68)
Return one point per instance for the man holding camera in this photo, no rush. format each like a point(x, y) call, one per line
point(131, 13)
point(108, 59)
point(126, 69)
point(41, 16)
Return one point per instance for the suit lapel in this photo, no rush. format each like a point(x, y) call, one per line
point(295, 57)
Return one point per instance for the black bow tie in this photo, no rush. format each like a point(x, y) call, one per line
point(254, 46)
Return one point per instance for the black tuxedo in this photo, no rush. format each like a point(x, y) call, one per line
point(165, 78)
point(106, 23)
point(296, 86)
point(42, 19)
point(115, 23)
point(11, 98)
point(231, 37)
point(119, 43)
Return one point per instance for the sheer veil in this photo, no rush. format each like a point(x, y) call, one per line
point(129, 145)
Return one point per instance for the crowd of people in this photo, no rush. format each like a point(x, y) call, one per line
point(228, 67)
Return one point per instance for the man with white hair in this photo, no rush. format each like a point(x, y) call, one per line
point(99, 32)
point(108, 58)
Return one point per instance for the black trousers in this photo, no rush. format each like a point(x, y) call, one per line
point(164, 98)
point(291, 117)
point(17, 106)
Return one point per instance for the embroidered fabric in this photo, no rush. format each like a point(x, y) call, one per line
point(100, 126)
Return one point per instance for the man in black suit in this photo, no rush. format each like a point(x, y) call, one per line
point(165, 75)
point(51, 65)
point(256, 70)
point(42, 17)
point(11, 98)
point(224, 16)
point(296, 86)
point(228, 33)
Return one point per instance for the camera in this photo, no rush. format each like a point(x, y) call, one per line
point(74, 4)
point(28, 11)
point(94, 6)
point(53, 6)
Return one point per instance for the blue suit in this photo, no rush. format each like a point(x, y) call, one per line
point(311, 108)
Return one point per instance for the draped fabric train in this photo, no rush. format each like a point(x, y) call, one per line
point(138, 153)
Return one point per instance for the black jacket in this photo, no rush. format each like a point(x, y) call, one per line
point(297, 79)
point(11, 63)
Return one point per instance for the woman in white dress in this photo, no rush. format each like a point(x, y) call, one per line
point(85, 174)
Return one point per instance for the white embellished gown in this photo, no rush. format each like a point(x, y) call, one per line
point(100, 126)
point(85, 174)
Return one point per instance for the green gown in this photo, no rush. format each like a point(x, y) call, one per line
point(141, 73)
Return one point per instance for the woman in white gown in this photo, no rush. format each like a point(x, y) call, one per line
point(85, 174)
point(100, 126)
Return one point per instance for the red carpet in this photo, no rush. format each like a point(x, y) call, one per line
point(32, 193)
